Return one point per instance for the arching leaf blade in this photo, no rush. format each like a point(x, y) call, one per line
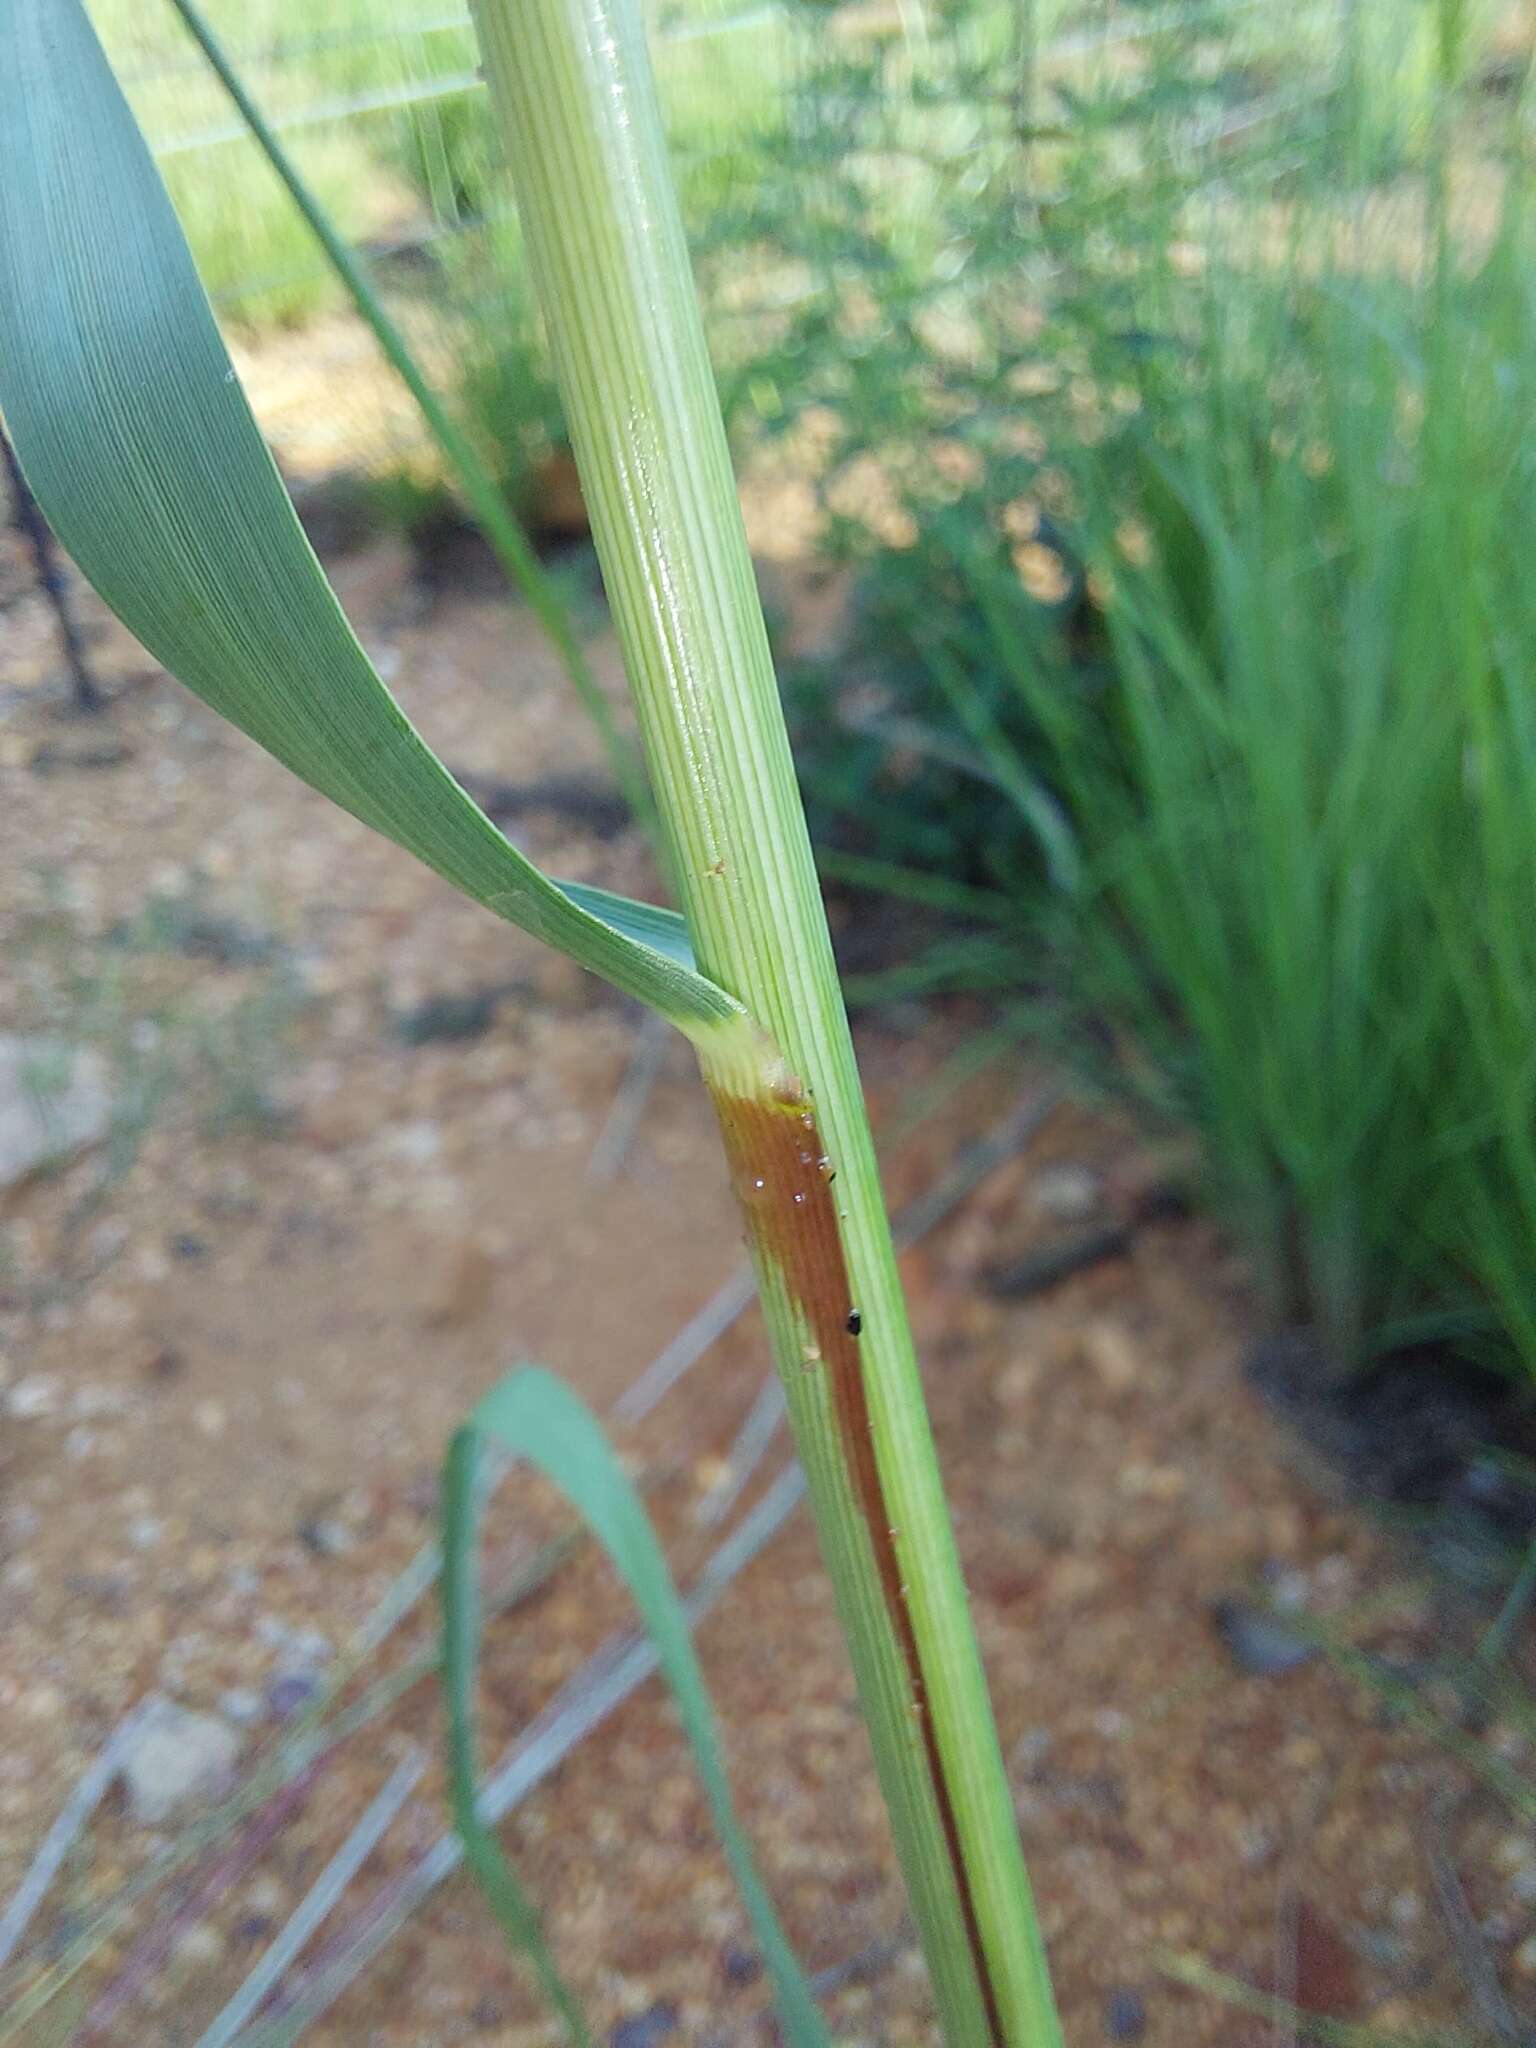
point(139, 443)
point(539, 1418)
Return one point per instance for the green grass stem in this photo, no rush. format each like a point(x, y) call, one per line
point(572, 84)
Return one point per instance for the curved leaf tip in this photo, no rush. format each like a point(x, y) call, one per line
point(136, 436)
point(538, 1417)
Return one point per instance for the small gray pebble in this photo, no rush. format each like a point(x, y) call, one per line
point(1260, 1643)
point(176, 1758)
point(1125, 2015)
point(1067, 1191)
point(646, 2029)
point(326, 1536)
point(287, 1695)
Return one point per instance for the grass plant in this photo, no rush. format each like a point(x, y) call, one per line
point(1224, 693)
point(608, 259)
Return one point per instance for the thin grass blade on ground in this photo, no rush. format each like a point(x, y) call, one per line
point(534, 1416)
point(608, 1677)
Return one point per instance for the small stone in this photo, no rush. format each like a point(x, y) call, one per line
point(645, 2029)
point(1381, 1950)
point(1256, 1842)
point(327, 1536)
point(1335, 1574)
point(200, 1947)
point(486, 2013)
point(1287, 1585)
point(1125, 2015)
point(1302, 1753)
point(1067, 1192)
point(209, 1418)
point(265, 1894)
point(413, 1144)
point(739, 1966)
point(711, 1472)
point(242, 1705)
point(290, 1694)
point(1071, 1579)
point(1112, 1357)
point(178, 1757)
point(1031, 1750)
point(1260, 1644)
point(91, 1401)
point(450, 1019)
point(187, 1246)
point(1016, 1383)
point(33, 1398)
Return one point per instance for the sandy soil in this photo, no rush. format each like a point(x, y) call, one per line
point(236, 1339)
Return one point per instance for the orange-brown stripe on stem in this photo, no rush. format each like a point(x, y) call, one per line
point(783, 1180)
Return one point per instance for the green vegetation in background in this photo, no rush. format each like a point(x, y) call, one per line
point(1240, 628)
point(825, 155)
point(365, 166)
point(393, 133)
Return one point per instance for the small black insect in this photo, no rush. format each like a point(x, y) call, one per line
point(855, 1322)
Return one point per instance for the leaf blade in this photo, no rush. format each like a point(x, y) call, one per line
point(536, 1416)
point(461, 1641)
point(141, 447)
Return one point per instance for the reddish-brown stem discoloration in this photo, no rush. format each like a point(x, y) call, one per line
point(783, 1179)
